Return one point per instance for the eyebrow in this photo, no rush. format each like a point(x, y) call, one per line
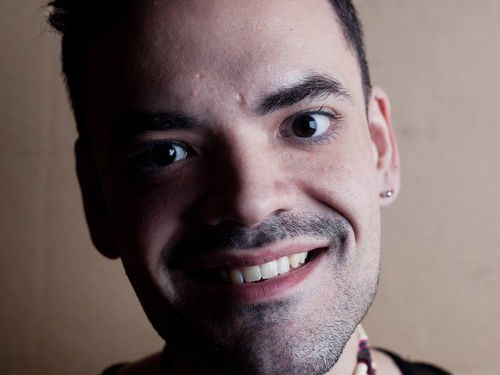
point(134, 123)
point(312, 87)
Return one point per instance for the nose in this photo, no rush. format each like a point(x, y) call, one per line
point(248, 185)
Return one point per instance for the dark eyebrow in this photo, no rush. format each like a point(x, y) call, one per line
point(311, 87)
point(134, 123)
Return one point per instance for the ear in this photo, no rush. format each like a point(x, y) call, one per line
point(93, 200)
point(385, 149)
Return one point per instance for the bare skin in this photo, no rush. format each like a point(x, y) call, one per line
point(224, 135)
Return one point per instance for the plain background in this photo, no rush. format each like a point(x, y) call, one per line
point(66, 310)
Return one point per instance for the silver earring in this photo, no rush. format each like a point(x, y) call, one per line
point(387, 194)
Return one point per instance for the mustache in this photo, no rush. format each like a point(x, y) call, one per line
point(230, 236)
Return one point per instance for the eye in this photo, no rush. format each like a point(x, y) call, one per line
point(161, 154)
point(308, 125)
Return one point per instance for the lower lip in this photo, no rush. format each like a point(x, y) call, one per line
point(263, 291)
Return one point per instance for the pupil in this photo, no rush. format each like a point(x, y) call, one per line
point(305, 126)
point(163, 155)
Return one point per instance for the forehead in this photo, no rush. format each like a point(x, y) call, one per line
point(166, 52)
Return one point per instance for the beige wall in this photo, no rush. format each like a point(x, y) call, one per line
point(66, 310)
point(440, 62)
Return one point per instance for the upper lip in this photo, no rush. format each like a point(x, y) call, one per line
point(238, 258)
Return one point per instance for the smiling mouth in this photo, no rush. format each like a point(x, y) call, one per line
point(255, 273)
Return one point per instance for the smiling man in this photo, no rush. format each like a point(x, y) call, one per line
point(235, 157)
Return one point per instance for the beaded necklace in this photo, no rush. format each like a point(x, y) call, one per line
point(365, 364)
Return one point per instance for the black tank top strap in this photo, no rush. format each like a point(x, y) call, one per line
point(113, 369)
point(413, 368)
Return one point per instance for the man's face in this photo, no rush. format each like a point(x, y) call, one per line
point(227, 135)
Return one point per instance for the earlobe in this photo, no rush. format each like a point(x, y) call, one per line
point(385, 150)
point(93, 200)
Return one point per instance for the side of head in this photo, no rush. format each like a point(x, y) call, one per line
point(221, 136)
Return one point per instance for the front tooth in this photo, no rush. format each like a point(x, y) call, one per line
point(294, 260)
point(283, 265)
point(251, 274)
point(236, 276)
point(302, 257)
point(269, 270)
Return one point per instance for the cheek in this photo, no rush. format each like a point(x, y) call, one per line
point(345, 181)
point(149, 219)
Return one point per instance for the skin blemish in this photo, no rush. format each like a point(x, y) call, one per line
point(240, 99)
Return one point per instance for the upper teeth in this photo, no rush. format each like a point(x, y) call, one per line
point(267, 270)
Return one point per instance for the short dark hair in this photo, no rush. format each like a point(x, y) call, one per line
point(72, 19)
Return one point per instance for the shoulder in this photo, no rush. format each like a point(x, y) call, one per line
point(401, 366)
point(146, 366)
point(384, 363)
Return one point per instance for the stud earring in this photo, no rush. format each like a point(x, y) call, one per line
point(387, 194)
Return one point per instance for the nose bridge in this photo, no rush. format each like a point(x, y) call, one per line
point(251, 184)
point(258, 174)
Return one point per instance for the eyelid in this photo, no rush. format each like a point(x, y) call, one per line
point(142, 147)
point(325, 111)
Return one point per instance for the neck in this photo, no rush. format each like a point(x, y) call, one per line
point(348, 360)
